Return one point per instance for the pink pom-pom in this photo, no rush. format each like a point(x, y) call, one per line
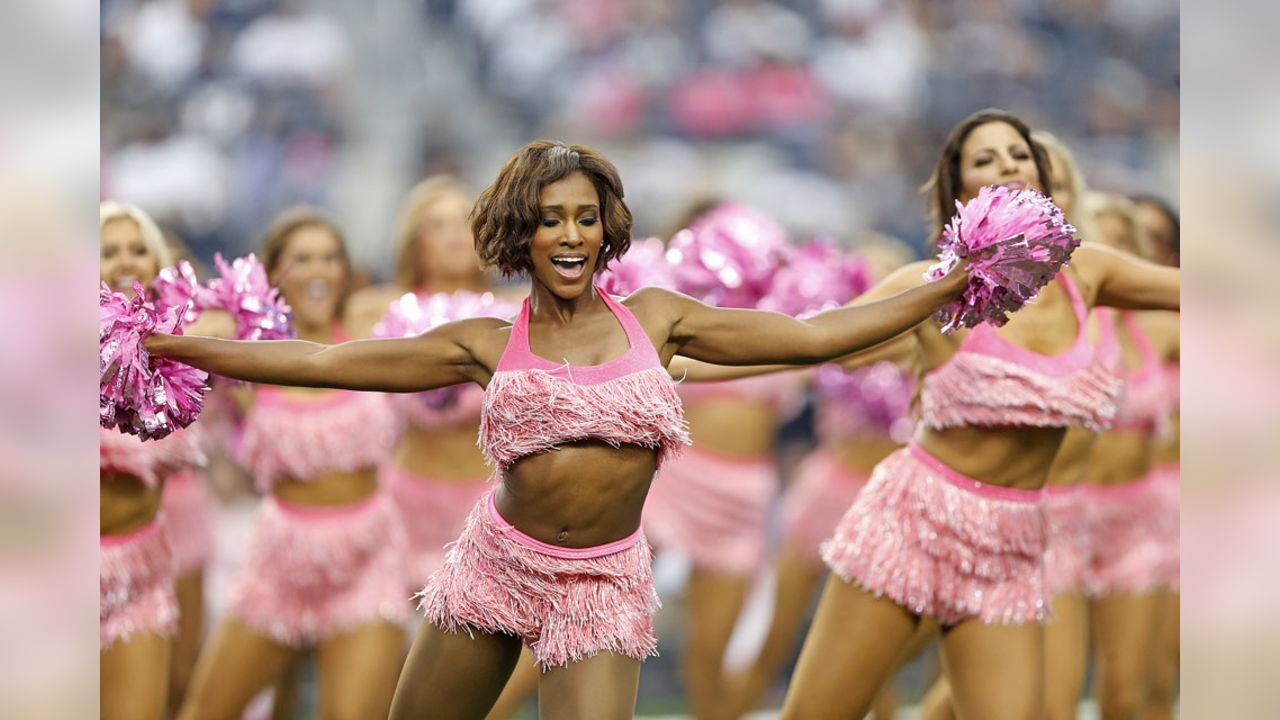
point(415, 314)
point(1016, 242)
point(141, 395)
point(177, 286)
point(644, 264)
point(816, 277)
point(242, 290)
point(728, 256)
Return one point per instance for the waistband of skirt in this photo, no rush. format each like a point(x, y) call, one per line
point(964, 482)
point(558, 551)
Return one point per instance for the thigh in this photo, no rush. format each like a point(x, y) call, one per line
point(996, 672)
point(358, 671)
point(237, 663)
point(134, 678)
point(715, 599)
point(522, 685)
point(1124, 629)
point(601, 687)
point(1066, 655)
point(851, 649)
point(189, 589)
point(453, 675)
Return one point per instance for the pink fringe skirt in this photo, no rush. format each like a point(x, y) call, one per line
point(1068, 517)
point(135, 578)
point(313, 572)
point(188, 509)
point(1132, 531)
point(820, 493)
point(1168, 481)
point(713, 508)
point(942, 544)
point(566, 604)
point(434, 512)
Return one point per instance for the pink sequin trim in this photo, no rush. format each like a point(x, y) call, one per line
point(564, 609)
point(313, 572)
point(188, 510)
point(938, 548)
point(135, 585)
point(821, 490)
point(1131, 531)
point(434, 511)
point(1070, 538)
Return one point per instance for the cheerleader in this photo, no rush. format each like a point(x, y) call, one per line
point(138, 608)
point(1129, 571)
point(325, 565)
point(951, 527)
point(579, 415)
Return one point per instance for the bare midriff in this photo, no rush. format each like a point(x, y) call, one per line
point(734, 427)
point(1121, 456)
point(333, 489)
point(1072, 461)
point(446, 453)
point(861, 454)
point(126, 503)
point(1169, 450)
point(581, 494)
point(1012, 457)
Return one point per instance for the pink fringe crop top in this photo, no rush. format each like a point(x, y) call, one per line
point(1146, 402)
point(532, 404)
point(990, 382)
point(148, 460)
point(342, 431)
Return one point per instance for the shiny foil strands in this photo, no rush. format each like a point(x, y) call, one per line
point(141, 395)
point(135, 585)
point(816, 277)
point(1016, 242)
point(728, 256)
point(242, 289)
point(872, 399)
point(644, 264)
point(178, 286)
point(943, 545)
point(414, 314)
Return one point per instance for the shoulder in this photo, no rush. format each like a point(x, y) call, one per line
point(652, 302)
point(904, 278)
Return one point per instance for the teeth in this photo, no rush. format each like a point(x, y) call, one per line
point(125, 282)
point(568, 260)
point(317, 289)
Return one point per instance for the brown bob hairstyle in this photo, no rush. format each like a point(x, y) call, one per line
point(507, 213)
point(943, 187)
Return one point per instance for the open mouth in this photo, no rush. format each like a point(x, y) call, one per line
point(1015, 184)
point(124, 283)
point(317, 290)
point(570, 267)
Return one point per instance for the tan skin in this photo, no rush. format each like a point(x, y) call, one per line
point(1066, 633)
point(458, 675)
point(1167, 451)
point(796, 578)
point(139, 677)
point(357, 668)
point(995, 671)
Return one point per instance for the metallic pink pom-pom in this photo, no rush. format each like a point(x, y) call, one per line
point(414, 314)
point(728, 256)
point(177, 286)
point(141, 395)
point(644, 264)
point(242, 290)
point(877, 396)
point(816, 277)
point(1016, 241)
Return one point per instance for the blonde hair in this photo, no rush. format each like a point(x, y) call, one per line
point(408, 271)
point(1097, 203)
point(111, 211)
point(1060, 158)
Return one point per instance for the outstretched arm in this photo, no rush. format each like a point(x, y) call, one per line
point(753, 337)
point(431, 360)
point(1128, 281)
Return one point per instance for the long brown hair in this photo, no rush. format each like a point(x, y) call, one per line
point(943, 186)
point(506, 215)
